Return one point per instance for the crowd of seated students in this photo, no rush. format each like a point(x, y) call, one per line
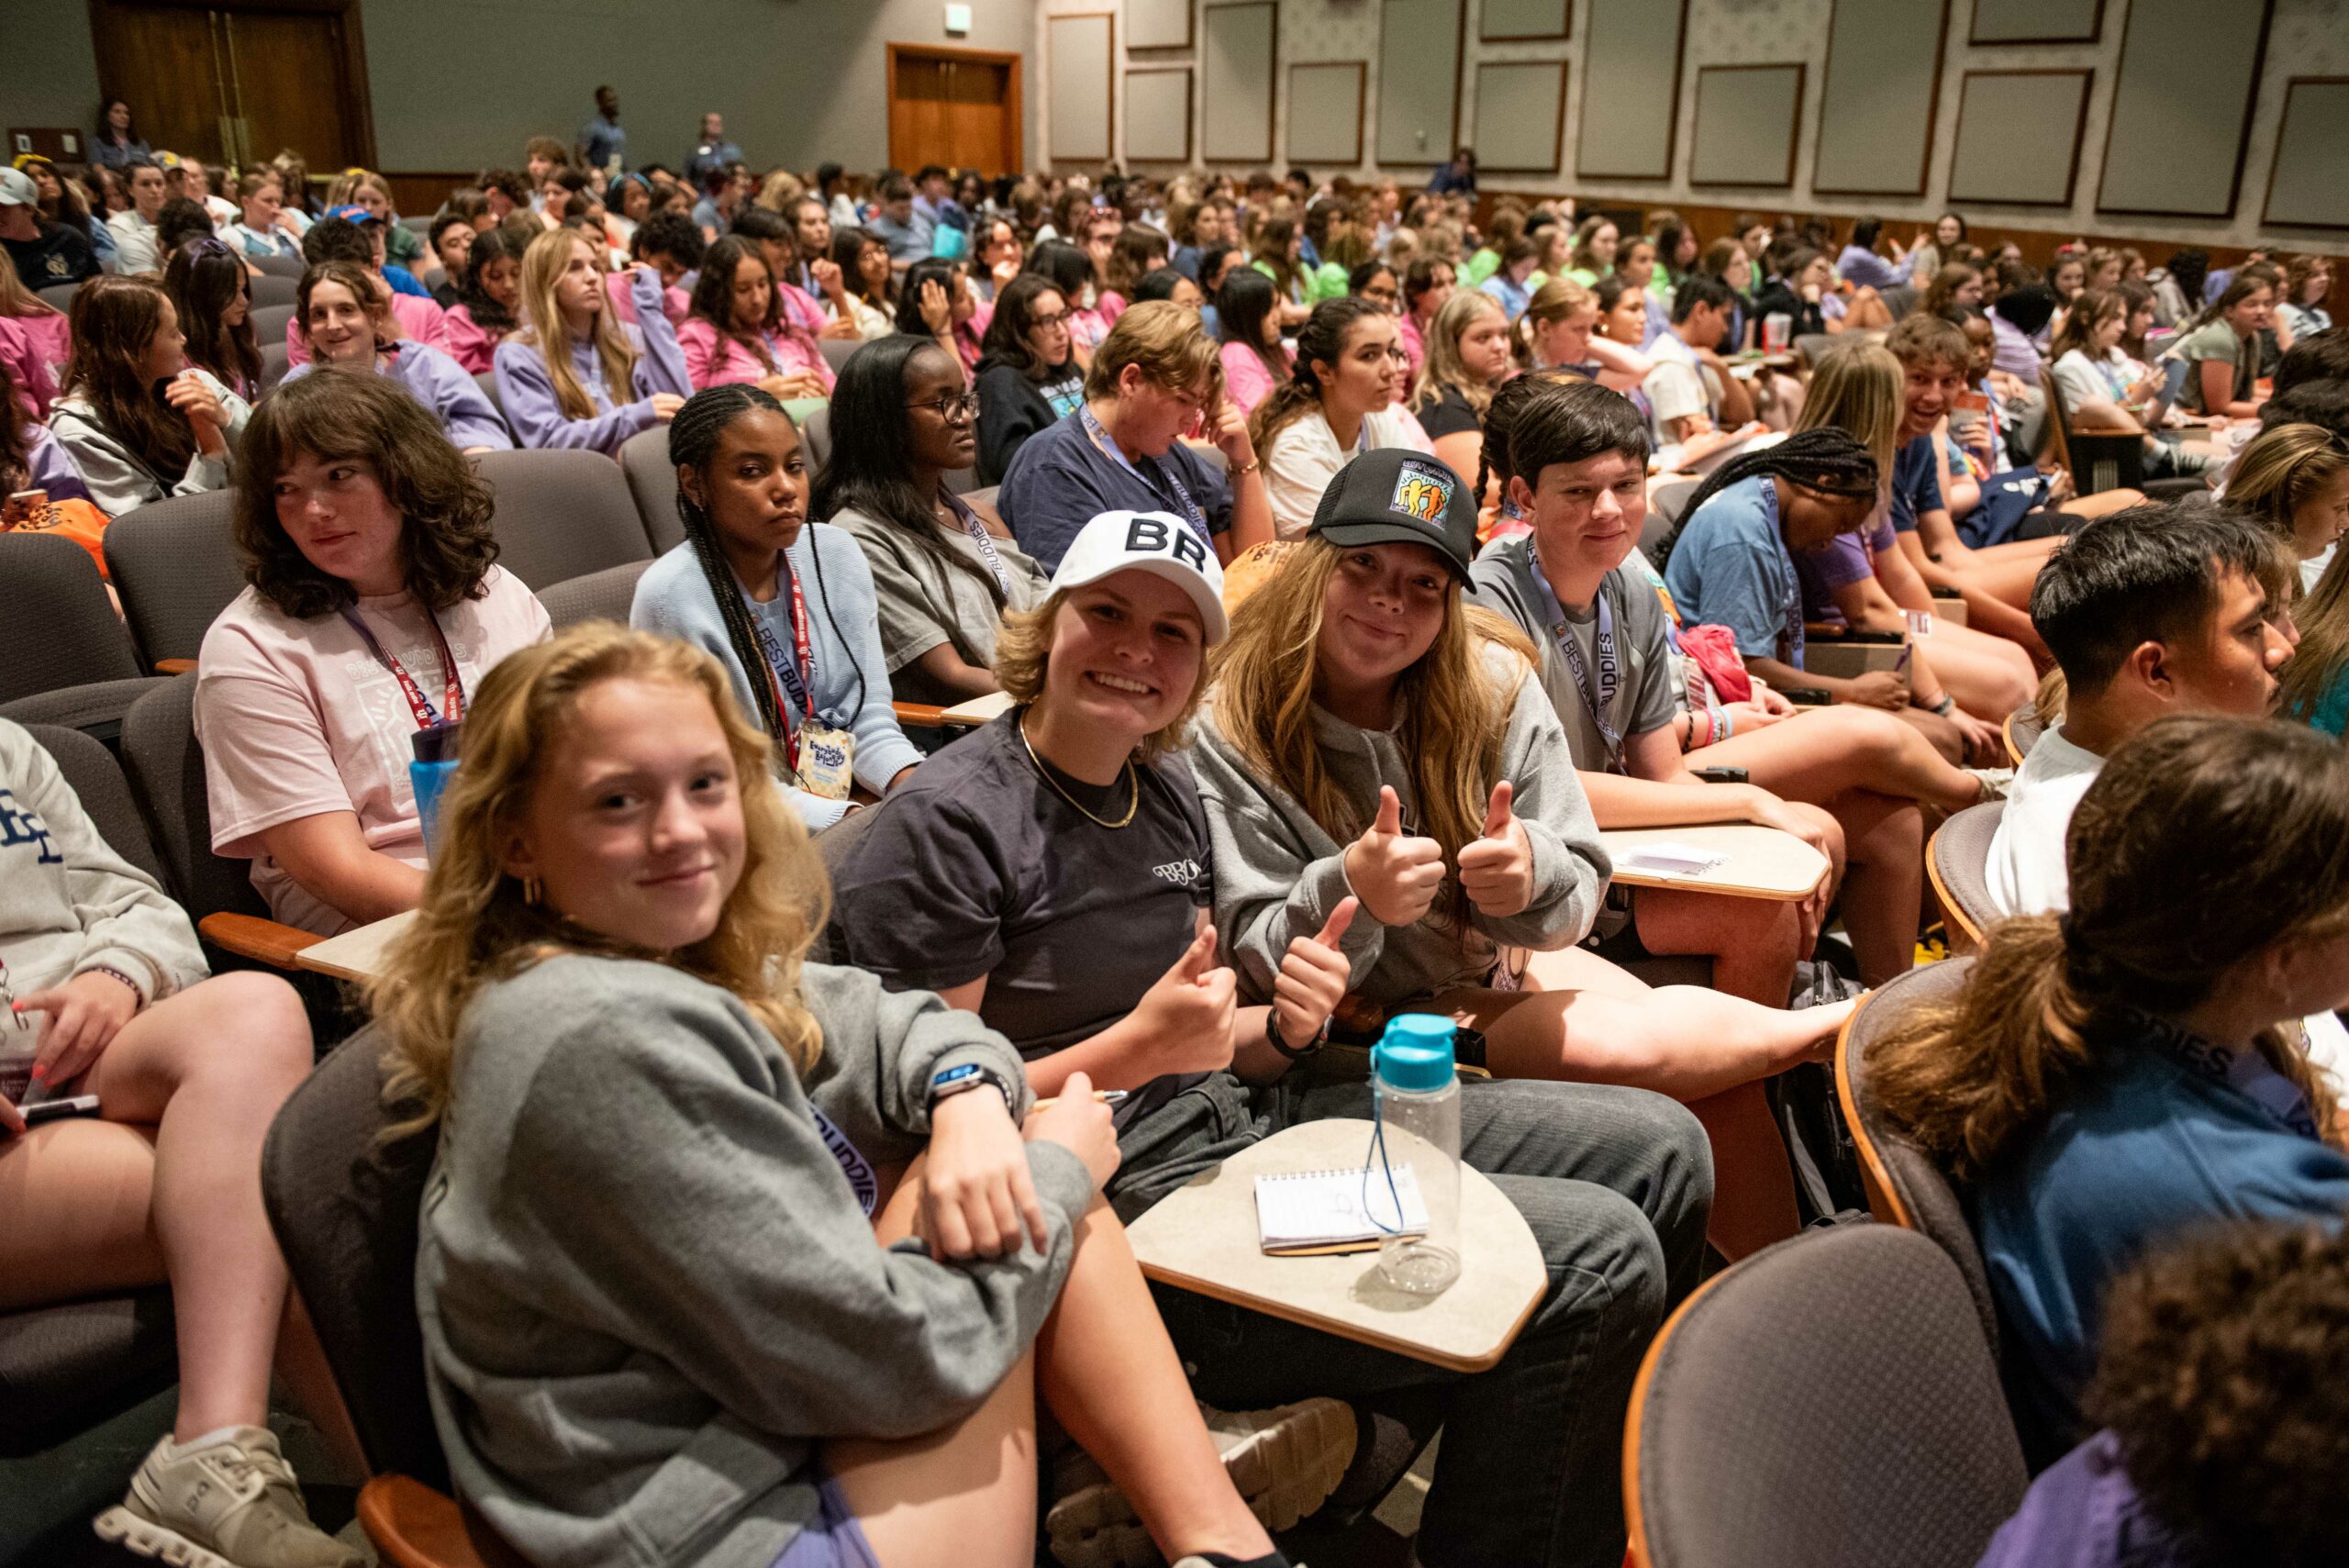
point(1371, 766)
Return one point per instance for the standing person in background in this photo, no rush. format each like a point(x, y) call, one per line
point(711, 150)
point(117, 145)
point(602, 144)
point(47, 254)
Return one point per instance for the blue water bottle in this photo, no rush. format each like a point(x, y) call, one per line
point(1417, 1096)
point(435, 749)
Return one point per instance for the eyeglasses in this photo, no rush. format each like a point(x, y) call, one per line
point(1058, 318)
point(956, 409)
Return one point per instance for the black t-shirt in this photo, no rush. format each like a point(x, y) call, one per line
point(1448, 415)
point(1777, 299)
point(978, 866)
point(59, 256)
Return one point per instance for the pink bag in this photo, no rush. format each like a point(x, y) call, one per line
point(1714, 651)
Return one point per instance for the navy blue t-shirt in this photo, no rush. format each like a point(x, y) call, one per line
point(1916, 484)
point(1061, 480)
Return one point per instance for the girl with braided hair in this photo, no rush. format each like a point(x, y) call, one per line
point(2136, 1067)
point(1338, 403)
point(787, 607)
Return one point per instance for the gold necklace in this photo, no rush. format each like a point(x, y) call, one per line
point(1132, 805)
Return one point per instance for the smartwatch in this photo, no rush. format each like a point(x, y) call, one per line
point(952, 1081)
point(1294, 1053)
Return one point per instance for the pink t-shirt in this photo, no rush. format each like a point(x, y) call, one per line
point(676, 303)
point(470, 344)
point(34, 347)
point(298, 719)
point(1246, 380)
point(713, 361)
point(421, 319)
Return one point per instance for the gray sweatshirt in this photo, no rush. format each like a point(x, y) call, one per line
point(116, 478)
point(1279, 875)
point(647, 1288)
point(68, 903)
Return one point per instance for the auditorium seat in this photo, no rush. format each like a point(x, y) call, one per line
point(60, 632)
point(268, 321)
point(561, 515)
point(652, 480)
point(270, 290)
point(176, 567)
point(59, 295)
point(1904, 1187)
point(274, 366)
point(816, 435)
point(599, 596)
point(1956, 857)
point(1824, 1403)
point(836, 351)
point(280, 266)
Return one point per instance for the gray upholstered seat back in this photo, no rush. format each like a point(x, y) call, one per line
point(1824, 1403)
point(1961, 860)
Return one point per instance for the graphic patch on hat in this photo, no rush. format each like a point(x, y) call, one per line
point(1422, 494)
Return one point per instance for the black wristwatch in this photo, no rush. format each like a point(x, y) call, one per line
point(1294, 1053)
point(953, 1081)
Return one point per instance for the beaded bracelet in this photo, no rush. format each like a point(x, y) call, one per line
point(137, 991)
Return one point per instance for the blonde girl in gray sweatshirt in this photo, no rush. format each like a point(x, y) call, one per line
point(102, 992)
point(1370, 735)
point(673, 1312)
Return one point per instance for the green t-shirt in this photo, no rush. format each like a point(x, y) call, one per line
point(1479, 267)
point(2214, 341)
point(1329, 283)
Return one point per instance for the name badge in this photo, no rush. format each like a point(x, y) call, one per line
point(826, 762)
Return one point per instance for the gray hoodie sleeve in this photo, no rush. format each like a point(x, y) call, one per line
point(1570, 864)
point(1277, 875)
point(665, 1181)
point(882, 1048)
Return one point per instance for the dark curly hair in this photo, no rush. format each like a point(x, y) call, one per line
point(444, 507)
point(2226, 1376)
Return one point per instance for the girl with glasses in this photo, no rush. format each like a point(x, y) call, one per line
point(1029, 375)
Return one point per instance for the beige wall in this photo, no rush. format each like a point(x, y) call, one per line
point(2308, 37)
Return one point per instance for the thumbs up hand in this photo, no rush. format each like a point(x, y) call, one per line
point(1183, 1021)
point(1496, 870)
point(1396, 875)
point(1313, 980)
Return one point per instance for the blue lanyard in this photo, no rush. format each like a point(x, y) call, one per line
point(2246, 1072)
point(1190, 508)
point(1600, 702)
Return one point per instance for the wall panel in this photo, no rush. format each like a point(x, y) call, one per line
point(1325, 107)
point(1081, 57)
point(1746, 116)
point(2019, 137)
point(2310, 185)
point(1876, 105)
point(1521, 115)
point(1241, 41)
point(1418, 80)
point(1631, 92)
point(2181, 107)
point(1158, 115)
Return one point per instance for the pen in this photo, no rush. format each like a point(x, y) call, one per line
point(1106, 1096)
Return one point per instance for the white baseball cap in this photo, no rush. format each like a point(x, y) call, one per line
point(17, 189)
point(1156, 543)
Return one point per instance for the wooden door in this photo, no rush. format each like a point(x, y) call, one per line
point(959, 108)
point(238, 83)
point(289, 73)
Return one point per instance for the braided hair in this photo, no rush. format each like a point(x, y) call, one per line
point(693, 443)
point(1826, 460)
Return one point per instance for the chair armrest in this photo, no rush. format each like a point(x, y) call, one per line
point(250, 936)
point(414, 1527)
point(174, 667)
point(927, 715)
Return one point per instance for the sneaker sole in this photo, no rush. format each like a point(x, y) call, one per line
point(1284, 1474)
point(123, 1528)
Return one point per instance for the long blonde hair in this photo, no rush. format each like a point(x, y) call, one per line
point(1856, 388)
point(2281, 469)
point(474, 926)
point(1444, 367)
point(2203, 842)
point(543, 329)
point(1453, 713)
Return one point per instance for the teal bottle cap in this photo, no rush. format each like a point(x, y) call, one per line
point(1415, 1053)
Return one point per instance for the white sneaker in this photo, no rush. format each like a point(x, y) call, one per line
point(1284, 1462)
point(228, 1503)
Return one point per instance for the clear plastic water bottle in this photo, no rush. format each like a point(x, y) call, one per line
point(1419, 1123)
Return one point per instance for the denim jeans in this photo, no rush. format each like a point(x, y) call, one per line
point(1616, 1184)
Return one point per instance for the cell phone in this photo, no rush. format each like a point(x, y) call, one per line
point(1805, 697)
point(58, 1110)
point(1722, 775)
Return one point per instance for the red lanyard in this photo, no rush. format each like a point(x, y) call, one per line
point(452, 683)
point(784, 674)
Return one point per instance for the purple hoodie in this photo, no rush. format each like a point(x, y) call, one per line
point(441, 385)
point(527, 392)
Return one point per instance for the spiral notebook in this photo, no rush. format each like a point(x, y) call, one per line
point(1299, 1213)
